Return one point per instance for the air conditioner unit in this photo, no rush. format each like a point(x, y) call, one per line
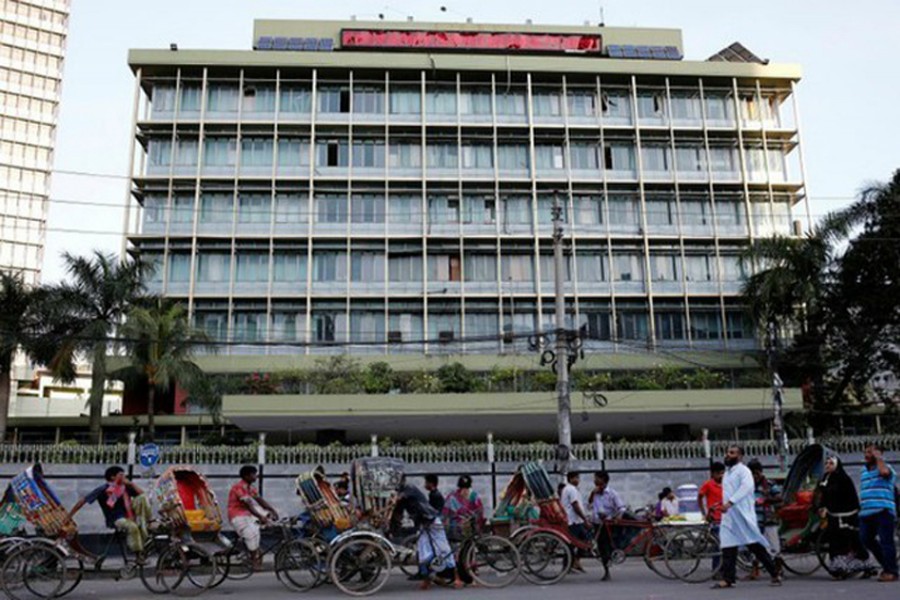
point(395, 337)
point(445, 337)
point(509, 337)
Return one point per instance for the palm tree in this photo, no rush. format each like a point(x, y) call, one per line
point(161, 344)
point(100, 291)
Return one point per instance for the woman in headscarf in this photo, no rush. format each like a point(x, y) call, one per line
point(463, 510)
point(839, 504)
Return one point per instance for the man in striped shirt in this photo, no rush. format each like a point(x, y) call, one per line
point(878, 511)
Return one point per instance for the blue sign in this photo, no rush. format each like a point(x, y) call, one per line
point(149, 455)
point(295, 44)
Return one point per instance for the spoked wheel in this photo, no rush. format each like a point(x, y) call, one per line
point(74, 566)
point(545, 557)
point(149, 568)
point(186, 569)
point(492, 561)
point(655, 554)
point(236, 565)
point(41, 573)
point(690, 555)
point(360, 567)
point(299, 565)
point(800, 558)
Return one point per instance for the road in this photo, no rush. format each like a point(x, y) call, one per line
point(631, 581)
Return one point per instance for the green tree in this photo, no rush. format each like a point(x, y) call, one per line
point(338, 374)
point(161, 345)
point(378, 378)
point(456, 379)
point(101, 289)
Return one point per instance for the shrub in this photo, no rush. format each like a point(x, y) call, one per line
point(378, 378)
point(456, 379)
point(424, 382)
point(337, 375)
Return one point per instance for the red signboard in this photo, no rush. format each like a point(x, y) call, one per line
point(470, 40)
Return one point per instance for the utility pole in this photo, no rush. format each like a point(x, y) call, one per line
point(564, 406)
point(777, 397)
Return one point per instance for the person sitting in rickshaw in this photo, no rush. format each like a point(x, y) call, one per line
point(248, 511)
point(432, 543)
point(125, 507)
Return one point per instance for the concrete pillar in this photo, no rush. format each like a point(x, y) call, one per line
point(374, 445)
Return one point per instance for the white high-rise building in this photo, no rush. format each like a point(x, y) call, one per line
point(32, 50)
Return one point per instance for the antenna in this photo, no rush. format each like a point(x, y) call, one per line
point(602, 17)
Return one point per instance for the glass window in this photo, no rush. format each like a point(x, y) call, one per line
point(633, 326)
point(334, 99)
point(706, 325)
point(190, 97)
point(160, 152)
point(329, 266)
point(332, 153)
point(582, 103)
point(331, 209)
point(628, 266)
point(368, 154)
point(481, 267)
point(719, 105)
point(406, 209)
point(619, 156)
point(517, 210)
point(368, 100)
point(249, 326)
point(511, 103)
point(213, 267)
point(443, 209)
point(475, 102)
point(547, 103)
point(284, 326)
point(588, 210)
point(367, 208)
point(479, 210)
point(441, 100)
point(289, 267)
point(258, 98)
point(293, 152)
point(183, 209)
point(405, 267)
point(367, 266)
point(656, 158)
point(616, 103)
point(443, 156)
point(549, 157)
point(257, 152)
point(545, 209)
point(406, 100)
point(219, 151)
point(722, 159)
point(670, 325)
point(367, 326)
point(179, 268)
point(739, 325)
point(623, 210)
point(730, 213)
point(548, 268)
point(482, 324)
point(405, 156)
point(696, 211)
point(732, 268)
point(255, 208)
point(222, 98)
point(290, 208)
point(686, 106)
point(592, 267)
point(295, 99)
point(651, 104)
point(691, 159)
point(660, 211)
point(477, 156)
point(697, 267)
point(444, 267)
point(214, 324)
point(216, 208)
point(585, 156)
point(252, 267)
point(517, 267)
point(665, 267)
point(512, 157)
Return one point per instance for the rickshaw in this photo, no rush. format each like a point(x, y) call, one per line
point(800, 526)
point(539, 528)
point(51, 564)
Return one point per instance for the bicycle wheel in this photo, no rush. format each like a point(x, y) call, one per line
point(655, 555)
point(74, 565)
point(360, 567)
point(43, 571)
point(299, 566)
point(237, 564)
point(545, 558)
point(693, 555)
point(492, 561)
point(186, 569)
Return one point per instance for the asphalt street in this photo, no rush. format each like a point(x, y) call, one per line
point(630, 581)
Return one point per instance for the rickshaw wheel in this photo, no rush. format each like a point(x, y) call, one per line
point(299, 566)
point(655, 554)
point(802, 559)
point(545, 557)
point(186, 569)
point(43, 571)
point(689, 555)
point(360, 567)
point(410, 563)
point(492, 561)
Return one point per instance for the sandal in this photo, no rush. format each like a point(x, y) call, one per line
point(721, 585)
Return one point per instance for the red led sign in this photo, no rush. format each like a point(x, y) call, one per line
point(470, 40)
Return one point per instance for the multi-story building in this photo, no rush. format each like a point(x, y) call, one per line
point(379, 187)
point(32, 50)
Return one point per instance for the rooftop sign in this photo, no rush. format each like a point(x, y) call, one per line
point(295, 44)
point(470, 40)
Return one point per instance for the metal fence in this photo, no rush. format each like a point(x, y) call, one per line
point(488, 451)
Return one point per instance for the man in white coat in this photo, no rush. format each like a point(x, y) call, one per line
point(739, 527)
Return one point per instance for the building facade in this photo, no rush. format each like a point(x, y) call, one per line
point(389, 187)
point(32, 51)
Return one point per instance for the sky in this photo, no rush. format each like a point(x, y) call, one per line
point(848, 95)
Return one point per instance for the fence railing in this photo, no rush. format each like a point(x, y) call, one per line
point(507, 452)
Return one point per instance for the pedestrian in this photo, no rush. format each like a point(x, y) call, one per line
point(575, 515)
point(435, 497)
point(739, 526)
point(878, 511)
point(463, 510)
point(838, 504)
point(432, 545)
point(605, 504)
point(124, 505)
point(248, 511)
point(767, 498)
point(709, 498)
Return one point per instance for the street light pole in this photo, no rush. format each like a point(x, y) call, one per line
point(777, 398)
point(564, 407)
